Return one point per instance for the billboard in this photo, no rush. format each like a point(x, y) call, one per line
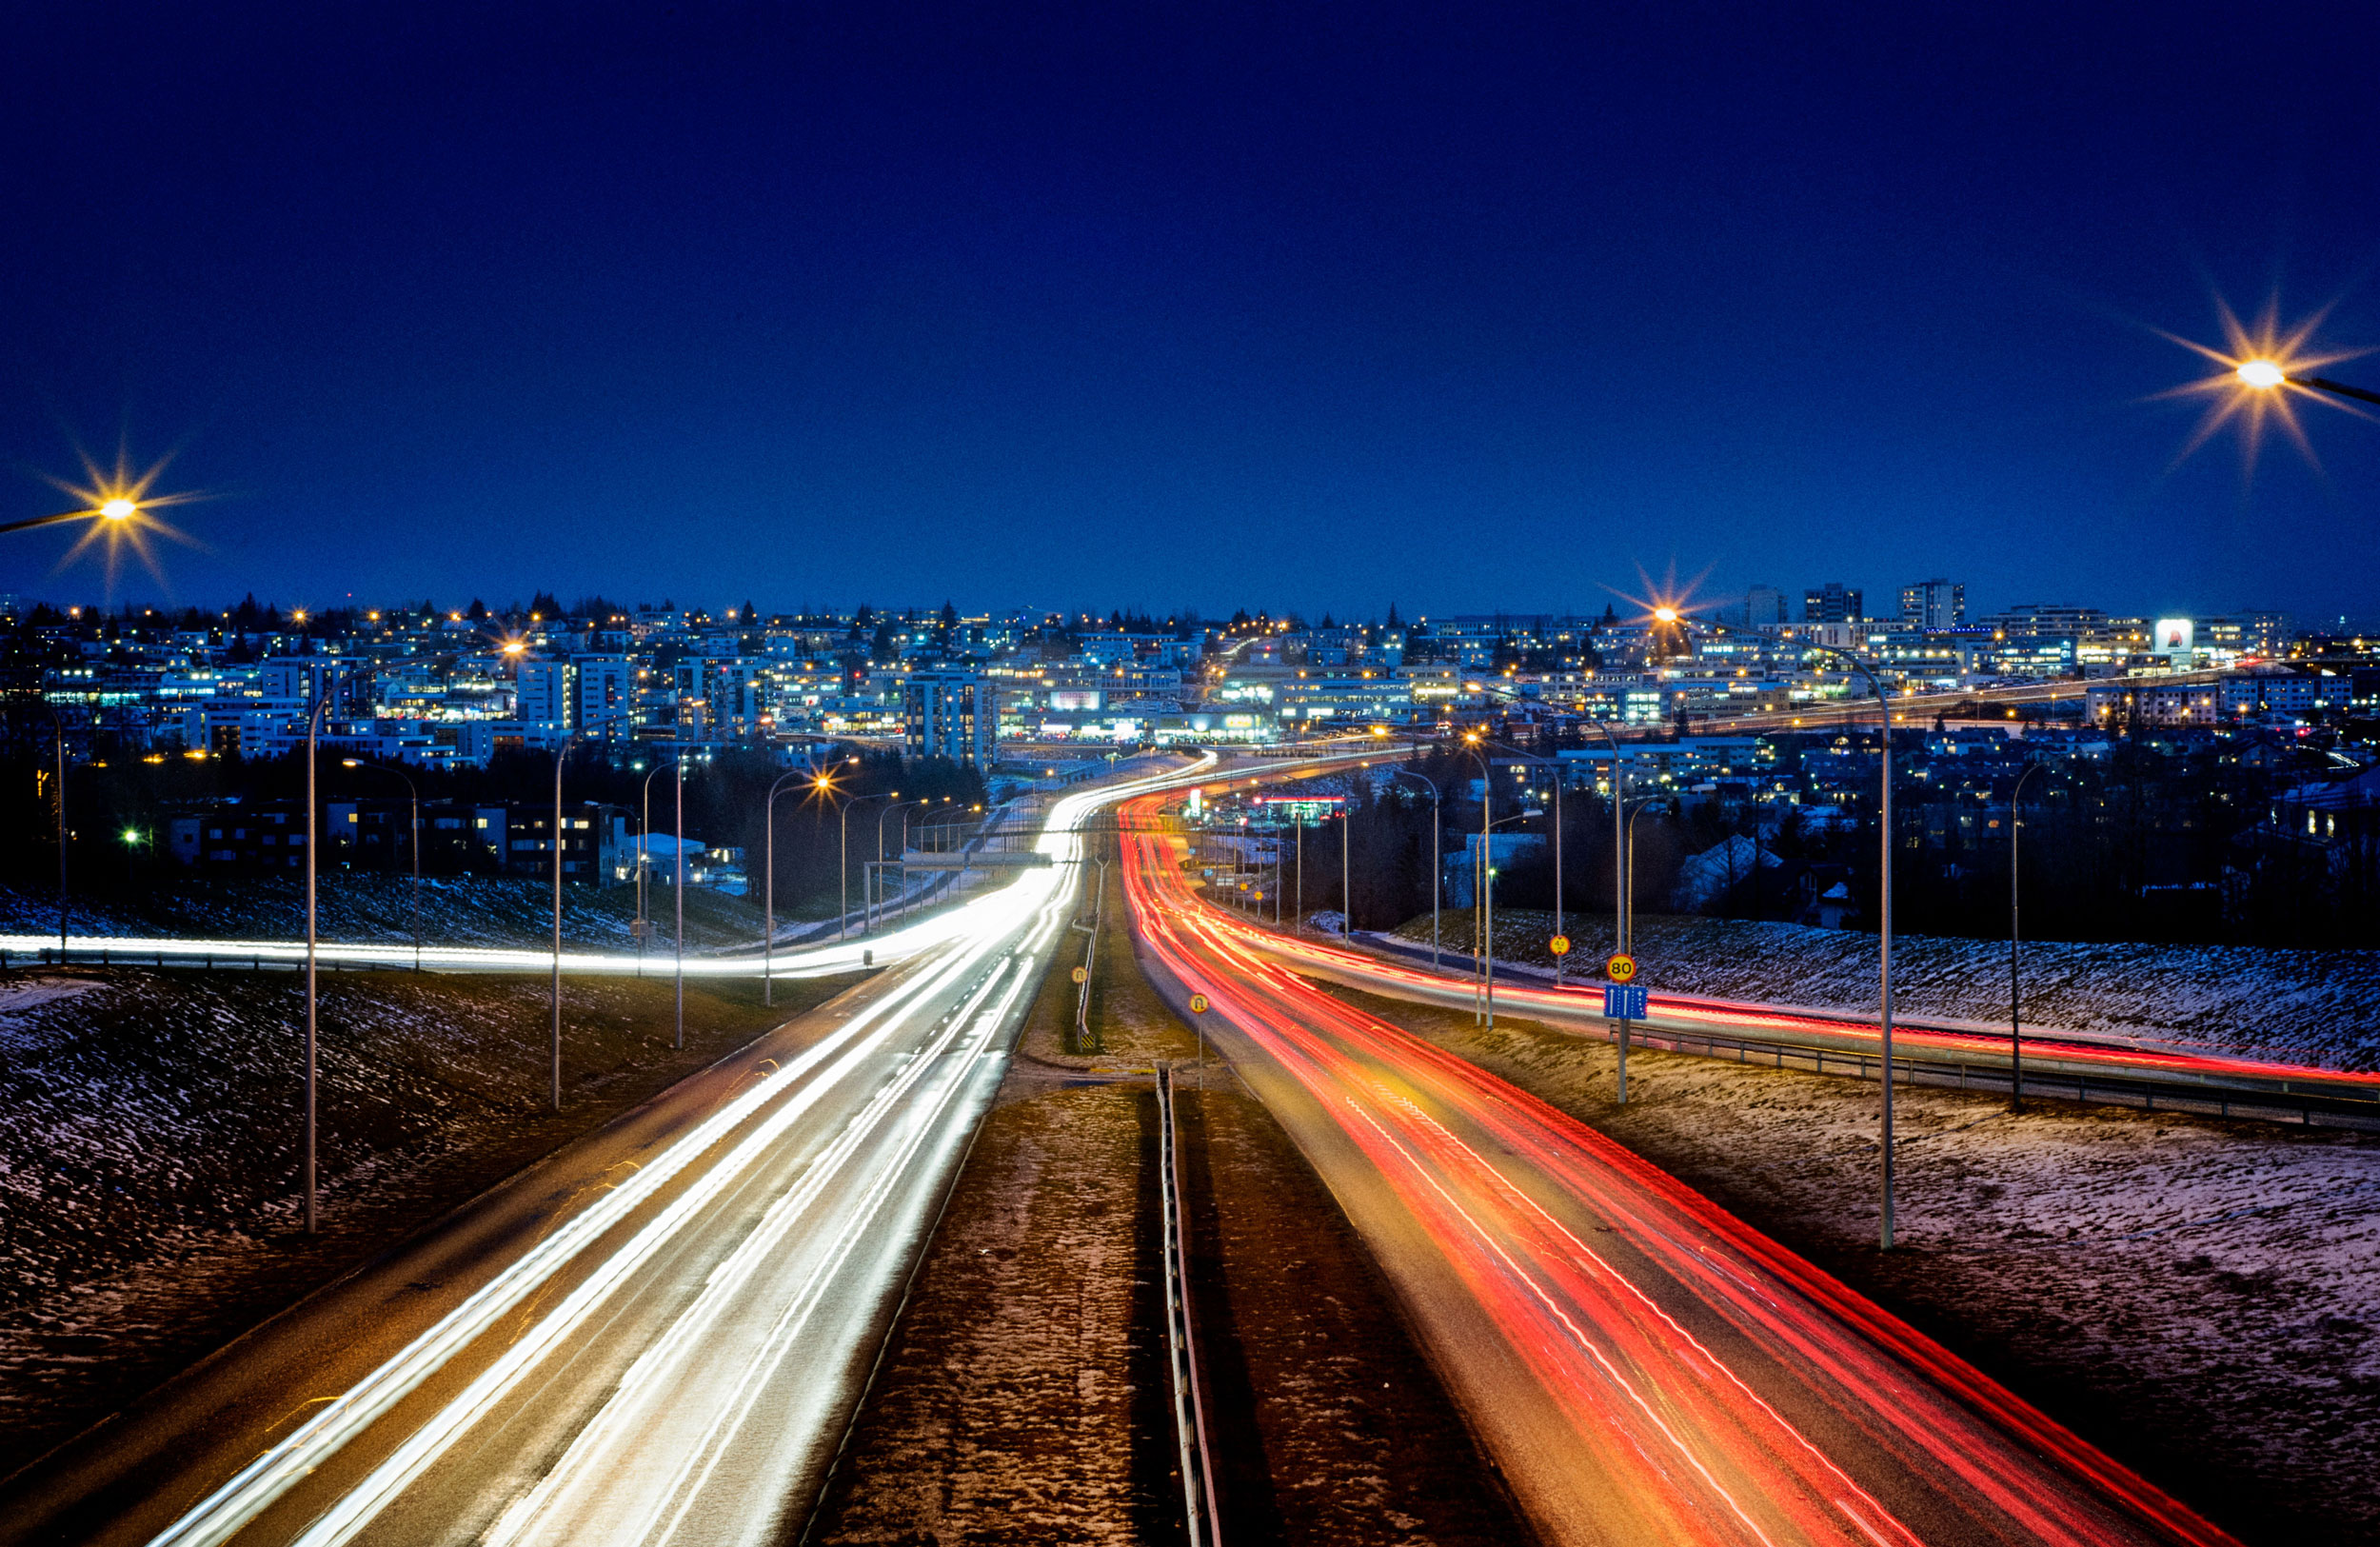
point(2175, 637)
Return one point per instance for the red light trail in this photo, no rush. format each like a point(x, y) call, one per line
point(1643, 1366)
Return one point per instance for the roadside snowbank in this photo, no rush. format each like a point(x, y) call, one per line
point(2321, 1007)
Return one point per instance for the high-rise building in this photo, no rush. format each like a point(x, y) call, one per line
point(951, 714)
point(1933, 604)
point(587, 695)
point(1832, 603)
point(1764, 606)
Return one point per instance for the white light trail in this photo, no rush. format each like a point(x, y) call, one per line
point(980, 929)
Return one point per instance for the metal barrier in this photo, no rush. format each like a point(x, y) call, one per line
point(2051, 1082)
point(1198, 1479)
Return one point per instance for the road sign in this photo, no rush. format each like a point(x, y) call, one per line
point(1559, 945)
point(1621, 968)
point(1198, 1004)
point(1623, 1001)
point(1081, 974)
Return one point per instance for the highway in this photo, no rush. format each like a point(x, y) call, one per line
point(1641, 1366)
point(655, 1336)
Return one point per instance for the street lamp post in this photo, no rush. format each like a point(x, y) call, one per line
point(414, 840)
point(1437, 879)
point(57, 724)
point(843, 924)
point(928, 804)
point(325, 685)
point(869, 923)
point(1884, 894)
point(677, 839)
point(561, 753)
point(642, 864)
point(1346, 896)
point(2015, 1035)
point(768, 891)
point(1624, 926)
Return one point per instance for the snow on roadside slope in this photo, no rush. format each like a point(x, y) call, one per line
point(2321, 1007)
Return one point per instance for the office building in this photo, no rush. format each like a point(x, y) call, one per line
point(1933, 604)
point(1832, 603)
point(950, 714)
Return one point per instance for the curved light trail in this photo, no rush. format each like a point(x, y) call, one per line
point(1642, 1365)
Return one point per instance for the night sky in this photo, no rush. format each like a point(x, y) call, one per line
point(1165, 306)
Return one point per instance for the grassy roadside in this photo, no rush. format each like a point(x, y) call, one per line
point(149, 1209)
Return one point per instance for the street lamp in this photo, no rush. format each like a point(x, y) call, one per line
point(561, 753)
point(2265, 375)
point(643, 830)
point(1884, 889)
point(2015, 1037)
point(58, 726)
point(325, 684)
point(413, 842)
point(768, 886)
point(843, 924)
point(868, 922)
point(1624, 926)
point(1437, 878)
point(676, 839)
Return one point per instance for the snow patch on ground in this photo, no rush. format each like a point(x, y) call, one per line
point(2319, 1007)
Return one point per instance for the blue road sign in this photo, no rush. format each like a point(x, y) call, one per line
point(1624, 1002)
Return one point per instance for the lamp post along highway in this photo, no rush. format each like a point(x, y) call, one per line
point(875, 905)
point(678, 842)
point(768, 888)
point(2016, 1033)
point(842, 923)
point(1438, 885)
point(643, 864)
point(326, 684)
point(1884, 894)
point(560, 754)
point(57, 724)
point(413, 841)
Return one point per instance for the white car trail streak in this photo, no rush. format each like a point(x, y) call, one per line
point(759, 1249)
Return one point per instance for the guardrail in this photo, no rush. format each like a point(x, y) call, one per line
point(1197, 1479)
point(2051, 1081)
point(2254, 1093)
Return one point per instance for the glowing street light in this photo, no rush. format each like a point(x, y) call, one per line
point(2265, 375)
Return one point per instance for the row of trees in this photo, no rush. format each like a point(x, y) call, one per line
point(119, 804)
point(2143, 847)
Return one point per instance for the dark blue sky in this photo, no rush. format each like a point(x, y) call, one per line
point(1192, 305)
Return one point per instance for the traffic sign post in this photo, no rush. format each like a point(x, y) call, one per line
point(1623, 1001)
point(1198, 1007)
